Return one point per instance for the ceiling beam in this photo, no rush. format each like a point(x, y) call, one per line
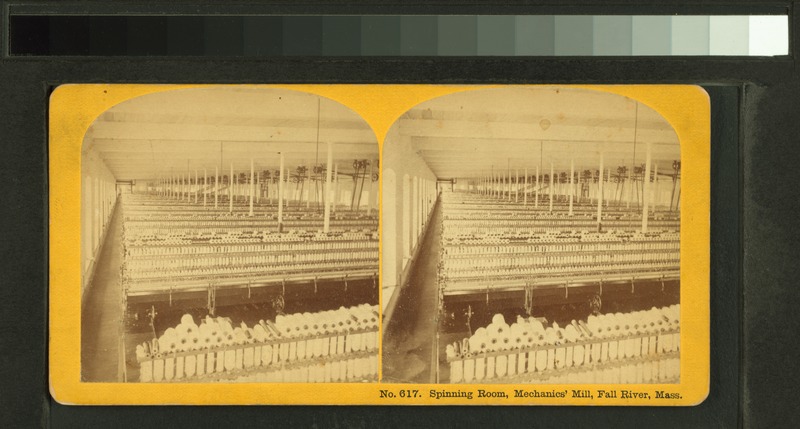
point(206, 132)
point(529, 132)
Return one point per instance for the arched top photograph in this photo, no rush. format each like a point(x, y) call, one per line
point(218, 223)
point(530, 217)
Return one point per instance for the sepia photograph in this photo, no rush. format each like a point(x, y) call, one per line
point(531, 235)
point(229, 234)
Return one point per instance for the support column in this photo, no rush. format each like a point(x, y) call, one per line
point(571, 183)
point(516, 185)
point(646, 191)
point(630, 185)
point(524, 188)
point(551, 187)
point(196, 186)
point(508, 185)
point(205, 184)
point(655, 186)
point(230, 191)
point(252, 185)
point(497, 187)
point(327, 224)
point(600, 194)
point(280, 196)
point(335, 181)
point(536, 189)
point(216, 186)
point(288, 178)
point(308, 187)
point(270, 192)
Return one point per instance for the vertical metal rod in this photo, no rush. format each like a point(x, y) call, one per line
point(335, 187)
point(252, 185)
point(551, 187)
point(645, 191)
point(308, 179)
point(508, 176)
point(654, 199)
point(280, 196)
point(327, 224)
point(571, 183)
point(600, 194)
point(524, 188)
point(630, 187)
point(536, 189)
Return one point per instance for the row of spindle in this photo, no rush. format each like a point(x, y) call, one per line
point(530, 346)
point(347, 339)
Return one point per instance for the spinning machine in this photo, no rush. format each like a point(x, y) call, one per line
point(247, 225)
point(557, 209)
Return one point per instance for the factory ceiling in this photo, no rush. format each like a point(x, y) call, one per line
point(469, 134)
point(180, 131)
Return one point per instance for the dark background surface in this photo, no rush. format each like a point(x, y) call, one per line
point(754, 173)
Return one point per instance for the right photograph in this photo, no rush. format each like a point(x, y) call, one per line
point(531, 234)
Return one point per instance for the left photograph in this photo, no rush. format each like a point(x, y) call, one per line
point(229, 234)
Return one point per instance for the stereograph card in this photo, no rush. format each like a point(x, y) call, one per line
point(379, 244)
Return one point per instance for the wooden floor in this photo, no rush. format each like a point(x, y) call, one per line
point(409, 354)
point(101, 315)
